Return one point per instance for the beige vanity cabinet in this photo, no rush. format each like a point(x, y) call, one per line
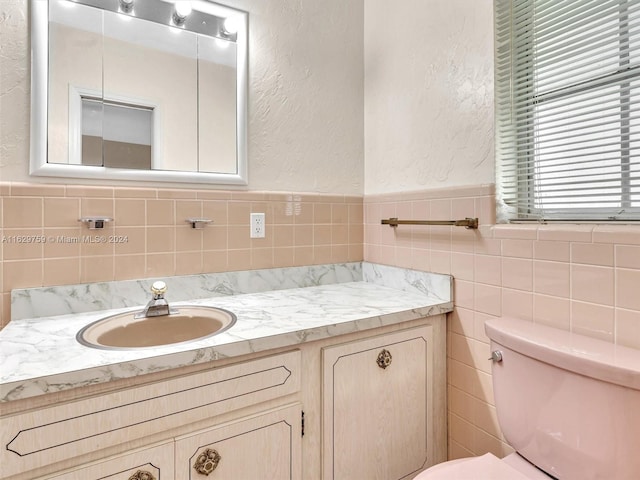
point(153, 463)
point(265, 446)
point(378, 406)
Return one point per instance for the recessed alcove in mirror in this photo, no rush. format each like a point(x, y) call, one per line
point(128, 90)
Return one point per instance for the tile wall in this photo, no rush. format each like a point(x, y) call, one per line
point(149, 236)
point(584, 278)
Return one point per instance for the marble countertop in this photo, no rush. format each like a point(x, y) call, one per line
point(41, 355)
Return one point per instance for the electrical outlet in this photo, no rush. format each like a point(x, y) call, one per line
point(257, 225)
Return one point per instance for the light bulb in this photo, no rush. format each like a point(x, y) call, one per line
point(231, 25)
point(182, 11)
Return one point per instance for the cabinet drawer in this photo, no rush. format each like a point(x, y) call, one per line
point(155, 463)
point(35, 439)
point(265, 446)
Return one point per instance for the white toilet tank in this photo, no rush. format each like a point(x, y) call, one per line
point(569, 404)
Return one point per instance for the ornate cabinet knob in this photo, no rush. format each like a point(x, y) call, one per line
point(384, 358)
point(207, 461)
point(142, 475)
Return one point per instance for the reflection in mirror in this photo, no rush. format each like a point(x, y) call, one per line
point(139, 92)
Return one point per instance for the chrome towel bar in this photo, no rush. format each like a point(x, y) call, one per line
point(467, 222)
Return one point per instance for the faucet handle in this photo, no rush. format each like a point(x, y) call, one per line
point(159, 288)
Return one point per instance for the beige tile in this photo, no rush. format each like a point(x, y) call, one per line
point(463, 208)
point(461, 376)
point(188, 239)
point(322, 213)
point(440, 210)
point(372, 213)
point(321, 235)
point(122, 192)
point(628, 328)
point(516, 232)
point(22, 212)
point(487, 299)
point(303, 255)
point(131, 240)
point(177, 194)
point(322, 254)
point(261, 258)
point(96, 242)
point(187, 209)
point(620, 234)
point(61, 212)
point(97, 207)
point(627, 288)
point(97, 269)
point(22, 243)
point(488, 246)
point(130, 213)
point(22, 274)
point(283, 257)
point(462, 266)
point(189, 263)
point(130, 267)
point(339, 234)
point(517, 248)
point(552, 251)
point(592, 253)
point(461, 432)
point(84, 192)
point(460, 403)
point(627, 256)
point(238, 236)
point(239, 259)
point(463, 240)
point(551, 278)
point(36, 190)
point(517, 304)
point(461, 349)
point(214, 195)
point(303, 213)
point(214, 261)
point(461, 321)
point(463, 293)
point(592, 284)
point(160, 239)
point(487, 269)
point(63, 242)
point(441, 262)
point(283, 213)
point(215, 211)
point(62, 271)
point(160, 212)
point(486, 418)
point(593, 320)
point(479, 319)
point(486, 210)
point(566, 233)
point(356, 214)
point(356, 233)
point(5, 310)
point(440, 237)
point(356, 253)
point(214, 237)
point(517, 273)
point(340, 213)
point(303, 235)
point(282, 236)
point(266, 242)
point(552, 311)
point(160, 264)
point(239, 213)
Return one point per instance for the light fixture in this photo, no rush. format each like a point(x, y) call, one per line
point(231, 25)
point(125, 6)
point(181, 12)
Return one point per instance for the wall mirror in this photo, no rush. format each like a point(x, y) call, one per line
point(148, 90)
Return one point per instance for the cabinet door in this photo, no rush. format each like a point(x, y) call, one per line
point(376, 407)
point(154, 463)
point(265, 446)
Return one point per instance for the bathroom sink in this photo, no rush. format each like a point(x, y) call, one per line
point(125, 332)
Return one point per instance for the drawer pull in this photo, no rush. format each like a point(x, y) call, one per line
point(207, 461)
point(384, 358)
point(142, 475)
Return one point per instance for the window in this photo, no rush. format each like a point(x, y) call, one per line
point(568, 109)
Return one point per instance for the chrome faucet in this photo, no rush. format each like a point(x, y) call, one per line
point(158, 305)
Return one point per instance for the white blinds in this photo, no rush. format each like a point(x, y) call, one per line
point(568, 108)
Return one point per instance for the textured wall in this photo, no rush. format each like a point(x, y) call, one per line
point(428, 94)
point(305, 94)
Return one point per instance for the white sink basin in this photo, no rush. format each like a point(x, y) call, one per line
point(124, 332)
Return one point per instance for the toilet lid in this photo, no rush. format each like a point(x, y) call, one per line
point(485, 467)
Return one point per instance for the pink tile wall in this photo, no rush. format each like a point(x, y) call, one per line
point(584, 278)
point(155, 240)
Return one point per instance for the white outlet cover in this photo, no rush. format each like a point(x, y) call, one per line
point(257, 225)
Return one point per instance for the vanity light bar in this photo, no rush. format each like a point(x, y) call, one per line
point(169, 13)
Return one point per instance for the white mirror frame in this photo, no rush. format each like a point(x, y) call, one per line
point(38, 164)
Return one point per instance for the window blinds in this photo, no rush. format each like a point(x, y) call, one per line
point(568, 109)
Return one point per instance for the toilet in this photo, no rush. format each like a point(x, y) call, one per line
point(568, 404)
